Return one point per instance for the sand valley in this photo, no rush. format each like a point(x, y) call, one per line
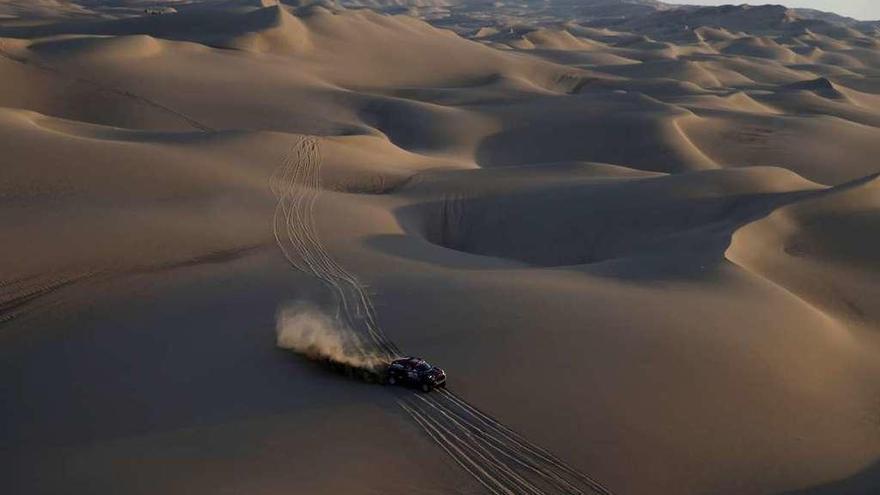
point(642, 240)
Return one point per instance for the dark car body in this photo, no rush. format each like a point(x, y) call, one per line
point(415, 372)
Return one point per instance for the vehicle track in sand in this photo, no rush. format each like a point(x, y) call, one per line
point(501, 460)
point(23, 296)
point(104, 88)
point(20, 296)
point(297, 184)
point(17, 296)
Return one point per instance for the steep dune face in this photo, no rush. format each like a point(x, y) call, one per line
point(823, 250)
point(270, 29)
point(627, 218)
point(363, 48)
point(797, 142)
point(427, 127)
point(822, 87)
point(640, 237)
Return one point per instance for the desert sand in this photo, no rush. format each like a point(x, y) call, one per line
point(643, 241)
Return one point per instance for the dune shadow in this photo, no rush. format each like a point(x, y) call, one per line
point(864, 482)
point(417, 249)
point(609, 231)
point(644, 140)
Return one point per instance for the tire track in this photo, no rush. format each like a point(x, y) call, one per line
point(19, 296)
point(448, 444)
point(534, 455)
point(297, 184)
point(501, 460)
point(509, 478)
point(104, 88)
point(512, 451)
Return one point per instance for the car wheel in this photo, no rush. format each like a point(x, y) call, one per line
point(426, 387)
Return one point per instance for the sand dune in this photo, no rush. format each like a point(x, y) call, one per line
point(640, 238)
point(830, 238)
point(761, 48)
point(549, 233)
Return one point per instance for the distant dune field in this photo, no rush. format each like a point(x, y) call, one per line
point(642, 240)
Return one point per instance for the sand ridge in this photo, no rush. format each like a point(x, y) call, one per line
point(640, 238)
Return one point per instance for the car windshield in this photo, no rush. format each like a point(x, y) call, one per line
point(423, 366)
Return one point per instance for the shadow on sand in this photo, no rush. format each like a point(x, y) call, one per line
point(865, 482)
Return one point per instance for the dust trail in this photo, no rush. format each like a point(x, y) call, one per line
point(305, 329)
point(502, 461)
point(297, 184)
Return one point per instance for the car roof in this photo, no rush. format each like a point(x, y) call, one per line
point(410, 360)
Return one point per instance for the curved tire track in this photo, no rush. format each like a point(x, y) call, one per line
point(501, 460)
point(297, 184)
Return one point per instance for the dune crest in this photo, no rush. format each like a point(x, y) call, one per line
point(99, 48)
point(822, 248)
point(641, 238)
point(272, 29)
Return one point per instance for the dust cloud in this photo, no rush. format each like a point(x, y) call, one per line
point(306, 329)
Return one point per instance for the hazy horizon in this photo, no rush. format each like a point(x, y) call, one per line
point(638, 244)
point(858, 9)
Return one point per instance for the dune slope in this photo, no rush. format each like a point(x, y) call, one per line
point(641, 240)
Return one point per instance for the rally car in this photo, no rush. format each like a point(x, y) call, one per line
point(415, 372)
